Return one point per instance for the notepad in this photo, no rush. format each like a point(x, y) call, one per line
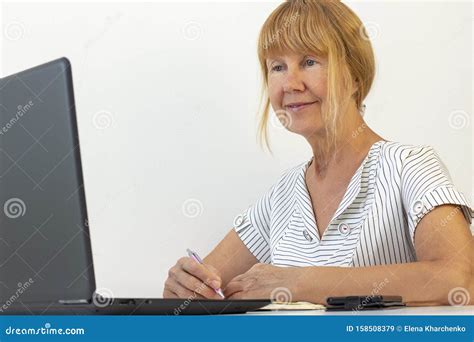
point(293, 306)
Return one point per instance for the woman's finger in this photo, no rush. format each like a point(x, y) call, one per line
point(169, 294)
point(236, 295)
point(181, 291)
point(196, 285)
point(232, 287)
point(201, 272)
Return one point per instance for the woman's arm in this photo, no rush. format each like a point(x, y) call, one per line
point(444, 254)
point(231, 257)
point(443, 244)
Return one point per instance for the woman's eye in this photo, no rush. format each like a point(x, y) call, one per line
point(277, 68)
point(310, 62)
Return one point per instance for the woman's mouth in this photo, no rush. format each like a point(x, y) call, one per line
point(299, 106)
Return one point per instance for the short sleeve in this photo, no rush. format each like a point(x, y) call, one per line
point(426, 184)
point(253, 227)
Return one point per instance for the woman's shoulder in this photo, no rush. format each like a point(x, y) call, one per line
point(409, 159)
point(394, 147)
point(400, 153)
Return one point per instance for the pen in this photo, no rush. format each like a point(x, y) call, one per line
point(196, 257)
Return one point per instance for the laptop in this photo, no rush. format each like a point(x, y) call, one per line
point(46, 264)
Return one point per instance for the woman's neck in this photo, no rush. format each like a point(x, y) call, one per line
point(352, 145)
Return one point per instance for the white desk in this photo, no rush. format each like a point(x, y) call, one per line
point(425, 310)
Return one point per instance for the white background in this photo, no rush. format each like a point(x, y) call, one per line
point(167, 95)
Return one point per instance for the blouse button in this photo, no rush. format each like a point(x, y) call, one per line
point(238, 220)
point(417, 207)
point(344, 229)
point(307, 236)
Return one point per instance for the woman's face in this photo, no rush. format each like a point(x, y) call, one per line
point(297, 88)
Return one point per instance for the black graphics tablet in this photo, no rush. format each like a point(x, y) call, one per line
point(46, 264)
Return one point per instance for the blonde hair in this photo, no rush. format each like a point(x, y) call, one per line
point(328, 29)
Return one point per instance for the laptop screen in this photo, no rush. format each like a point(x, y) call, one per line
point(45, 250)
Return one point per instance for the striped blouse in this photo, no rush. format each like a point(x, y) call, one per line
point(393, 188)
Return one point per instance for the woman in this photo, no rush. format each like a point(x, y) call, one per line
point(364, 215)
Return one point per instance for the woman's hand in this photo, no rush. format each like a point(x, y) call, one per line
point(265, 281)
point(190, 279)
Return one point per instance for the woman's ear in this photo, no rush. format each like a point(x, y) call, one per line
point(355, 86)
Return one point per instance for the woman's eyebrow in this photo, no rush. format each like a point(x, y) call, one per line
point(281, 59)
point(311, 56)
point(271, 60)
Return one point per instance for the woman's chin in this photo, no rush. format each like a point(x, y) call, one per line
point(306, 130)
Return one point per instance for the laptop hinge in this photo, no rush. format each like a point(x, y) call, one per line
point(74, 301)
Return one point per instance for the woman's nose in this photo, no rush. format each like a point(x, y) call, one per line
point(293, 82)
